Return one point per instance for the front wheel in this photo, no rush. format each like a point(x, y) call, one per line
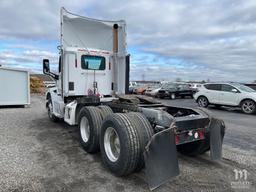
point(51, 116)
point(248, 106)
point(202, 101)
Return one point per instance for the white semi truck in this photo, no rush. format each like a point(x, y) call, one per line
point(130, 132)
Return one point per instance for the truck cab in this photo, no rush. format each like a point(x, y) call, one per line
point(93, 64)
point(87, 72)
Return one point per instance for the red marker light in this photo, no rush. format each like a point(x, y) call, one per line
point(201, 134)
point(177, 139)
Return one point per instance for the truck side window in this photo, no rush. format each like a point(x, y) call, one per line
point(215, 87)
point(227, 88)
point(90, 62)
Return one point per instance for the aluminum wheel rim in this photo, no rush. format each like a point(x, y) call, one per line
point(202, 102)
point(85, 129)
point(248, 106)
point(112, 144)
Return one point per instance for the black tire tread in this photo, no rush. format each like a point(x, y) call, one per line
point(54, 118)
point(145, 132)
point(123, 121)
point(94, 117)
point(105, 110)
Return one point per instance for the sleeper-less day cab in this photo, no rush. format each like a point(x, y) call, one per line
point(130, 132)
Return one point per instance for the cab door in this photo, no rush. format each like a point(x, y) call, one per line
point(70, 82)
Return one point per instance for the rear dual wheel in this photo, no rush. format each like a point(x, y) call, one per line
point(119, 144)
point(89, 122)
point(122, 141)
point(121, 137)
point(105, 110)
point(145, 132)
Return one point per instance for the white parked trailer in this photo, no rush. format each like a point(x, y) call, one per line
point(14, 86)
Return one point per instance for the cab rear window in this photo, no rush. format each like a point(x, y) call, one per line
point(90, 62)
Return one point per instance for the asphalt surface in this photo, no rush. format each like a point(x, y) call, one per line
point(39, 155)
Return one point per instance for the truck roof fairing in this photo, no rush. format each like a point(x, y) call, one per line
point(79, 31)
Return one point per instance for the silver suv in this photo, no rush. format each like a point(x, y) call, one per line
point(227, 94)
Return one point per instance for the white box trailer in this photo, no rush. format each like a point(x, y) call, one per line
point(14, 86)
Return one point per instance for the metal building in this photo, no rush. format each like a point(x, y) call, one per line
point(14, 87)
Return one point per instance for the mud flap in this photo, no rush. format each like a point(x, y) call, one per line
point(216, 139)
point(161, 161)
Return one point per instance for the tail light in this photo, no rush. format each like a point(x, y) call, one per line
point(201, 134)
point(177, 139)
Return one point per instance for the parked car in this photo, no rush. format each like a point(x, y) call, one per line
point(132, 86)
point(227, 94)
point(174, 90)
point(165, 90)
point(195, 86)
point(140, 89)
point(184, 90)
point(251, 85)
point(152, 90)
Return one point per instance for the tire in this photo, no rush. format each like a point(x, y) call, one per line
point(51, 116)
point(202, 101)
point(199, 147)
point(119, 144)
point(172, 96)
point(105, 111)
point(248, 106)
point(89, 123)
point(145, 132)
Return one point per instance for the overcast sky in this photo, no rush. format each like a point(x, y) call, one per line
point(193, 40)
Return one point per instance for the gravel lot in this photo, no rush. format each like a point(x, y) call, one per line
point(39, 155)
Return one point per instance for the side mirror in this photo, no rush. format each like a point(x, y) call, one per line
point(46, 66)
point(234, 91)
